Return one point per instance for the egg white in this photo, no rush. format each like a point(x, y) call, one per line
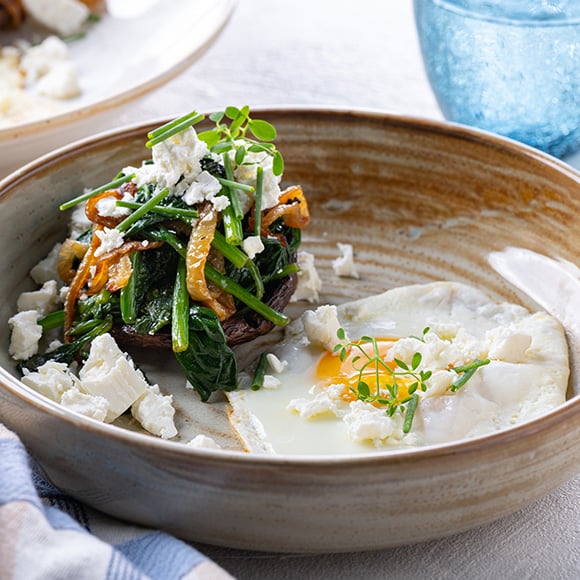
point(526, 377)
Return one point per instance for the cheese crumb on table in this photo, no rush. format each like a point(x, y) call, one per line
point(344, 265)
point(309, 283)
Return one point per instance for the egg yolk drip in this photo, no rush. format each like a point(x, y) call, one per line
point(362, 364)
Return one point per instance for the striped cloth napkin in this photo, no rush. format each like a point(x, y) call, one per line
point(45, 534)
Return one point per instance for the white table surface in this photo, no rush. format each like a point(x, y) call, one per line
point(359, 54)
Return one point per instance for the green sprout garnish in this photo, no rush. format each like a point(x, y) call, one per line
point(393, 385)
point(243, 134)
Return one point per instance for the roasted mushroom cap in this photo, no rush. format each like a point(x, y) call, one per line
point(11, 13)
point(238, 329)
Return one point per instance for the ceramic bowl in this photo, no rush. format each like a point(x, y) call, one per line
point(109, 91)
point(419, 201)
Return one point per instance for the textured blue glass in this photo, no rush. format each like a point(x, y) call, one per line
point(507, 66)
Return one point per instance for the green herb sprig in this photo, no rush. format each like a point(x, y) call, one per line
point(373, 365)
point(242, 134)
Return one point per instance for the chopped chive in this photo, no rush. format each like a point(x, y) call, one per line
point(171, 124)
point(87, 195)
point(234, 198)
point(52, 320)
point(232, 253)
point(231, 183)
point(177, 126)
point(246, 297)
point(232, 226)
point(162, 234)
point(466, 372)
point(292, 268)
point(84, 327)
point(239, 259)
point(128, 295)
point(180, 310)
point(258, 380)
point(162, 209)
point(258, 200)
point(410, 413)
point(138, 213)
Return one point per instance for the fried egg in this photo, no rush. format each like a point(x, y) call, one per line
point(343, 379)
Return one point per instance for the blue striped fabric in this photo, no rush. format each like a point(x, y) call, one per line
point(45, 533)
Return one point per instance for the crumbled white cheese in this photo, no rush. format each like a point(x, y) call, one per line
point(79, 222)
point(64, 17)
point(11, 77)
point(44, 300)
point(344, 265)
point(22, 73)
point(26, 332)
point(38, 60)
point(321, 326)
point(270, 382)
point(246, 173)
point(109, 373)
point(252, 245)
point(309, 283)
point(176, 157)
point(275, 363)
point(322, 404)
point(51, 379)
point(155, 412)
point(439, 382)
point(205, 186)
point(111, 239)
point(49, 70)
point(507, 344)
point(437, 353)
point(107, 207)
point(203, 442)
point(96, 407)
point(62, 293)
point(46, 270)
point(367, 423)
point(220, 202)
point(61, 82)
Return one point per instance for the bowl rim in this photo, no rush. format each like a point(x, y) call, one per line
point(93, 109)
point(511, 435)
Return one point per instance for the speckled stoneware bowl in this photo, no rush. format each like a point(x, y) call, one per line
point(419, 201)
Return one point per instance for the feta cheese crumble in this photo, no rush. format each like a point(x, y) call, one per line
point(155, 412)
point(109, 373)
point(253, 245)
point(309, 283)
point(321, 326)
point(203, 442)
point(344, 265)
point(26, 332)
point(111, 239)
point(108, 385)
point(34, 80)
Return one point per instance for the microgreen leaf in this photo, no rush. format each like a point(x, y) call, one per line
point(240, 154)
point(262, 129)
point(278, 165)
point(216, 117)
point(363, 390)
point(416, 360)
point(401, 364)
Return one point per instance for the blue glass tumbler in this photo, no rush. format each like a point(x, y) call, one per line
point(507, 66)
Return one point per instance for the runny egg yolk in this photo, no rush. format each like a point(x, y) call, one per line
point(330, 370)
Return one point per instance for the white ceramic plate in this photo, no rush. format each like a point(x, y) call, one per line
point(136, 47)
